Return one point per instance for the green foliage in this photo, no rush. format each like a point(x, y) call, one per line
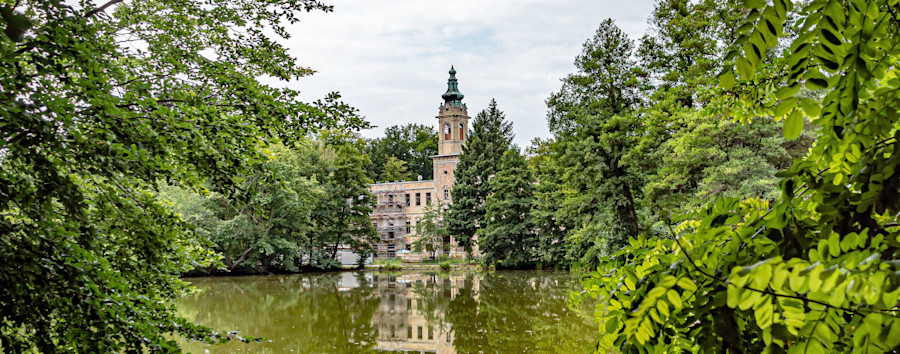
point(395, 170)
point(431, 230)
point(548, 199)
point(280, 218)
point(816, 269)
point(98, 104)
point(413, 143)
point(507, 237)
point(342, 217)
point(636, 143)
point(445, 265)
point(595, 128)
point(390, 264)
point(491, 136)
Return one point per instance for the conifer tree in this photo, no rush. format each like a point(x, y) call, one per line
point(491, 136)
point(507, 238)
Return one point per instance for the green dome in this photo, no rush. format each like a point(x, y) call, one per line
point(452, 97)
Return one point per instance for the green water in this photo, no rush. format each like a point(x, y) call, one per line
point(493, 312)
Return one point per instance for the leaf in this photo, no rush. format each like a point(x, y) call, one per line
point(744, 68)
point(754, 4)
point(788, 91)
point(810, 106)
point(793, 125)
point(763, 314)
point(785, 106)
point(726, 79)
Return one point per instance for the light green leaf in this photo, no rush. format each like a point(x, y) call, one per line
point(793, 125)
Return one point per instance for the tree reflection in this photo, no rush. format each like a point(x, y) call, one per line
point(512, 311)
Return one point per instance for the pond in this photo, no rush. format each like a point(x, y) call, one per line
point(428, 312)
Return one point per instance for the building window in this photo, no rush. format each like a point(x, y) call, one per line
point(391, 198)
point(446, 131)
point(418, 199)
point(420, 332)
point(390, 237)
point(408, 227)
point(462, 132)
point(428, 198)
point(445, 172)
point(407, 199)
point(446, 193)
point(430, 332)
point(409, 332)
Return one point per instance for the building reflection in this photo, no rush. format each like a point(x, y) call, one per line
point(408, 319)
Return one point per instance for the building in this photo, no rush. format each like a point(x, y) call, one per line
point(401, 204)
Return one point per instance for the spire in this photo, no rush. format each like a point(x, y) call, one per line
point(452, 97)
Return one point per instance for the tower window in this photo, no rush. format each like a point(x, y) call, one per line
point(428, 198)
point(462, 132)
point(446, 193)
point(446, 131)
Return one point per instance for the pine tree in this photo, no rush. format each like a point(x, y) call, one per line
point(507, 238)
point(395, 170)
point(491, 136)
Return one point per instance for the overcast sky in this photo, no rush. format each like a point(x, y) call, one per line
point(390, 58)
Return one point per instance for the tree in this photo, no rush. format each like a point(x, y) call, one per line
point(687, 45)
point(507, 237)
point(431, 230)
point(595, 126)
point(342, 218)
point(395, 170)
point(816, 269)
point(414, 143)
point(549, 192)
point(99, 104)
point(491, 136)
point(608, 81)
point(265, 231)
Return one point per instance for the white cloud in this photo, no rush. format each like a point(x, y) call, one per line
point(390, 58)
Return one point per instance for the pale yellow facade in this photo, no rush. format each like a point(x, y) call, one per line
point(401, 321)
point(401, 204)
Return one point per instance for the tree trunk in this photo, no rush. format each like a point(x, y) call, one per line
point(241, 258)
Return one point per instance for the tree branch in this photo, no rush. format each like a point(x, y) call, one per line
point(101, 8)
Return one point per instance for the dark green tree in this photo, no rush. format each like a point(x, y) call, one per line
point(607, 82)
point(595, 126)
point(507, 238)
point(342, 218)
point(491, 136)
point(549, 193)
point(686, 45)
point(98, 104)
point(414, 143)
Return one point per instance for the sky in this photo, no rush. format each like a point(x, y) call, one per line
point(390, 59)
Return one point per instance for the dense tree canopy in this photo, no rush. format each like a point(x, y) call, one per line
point(98, 105)
point(815, 269)
point(507, 238)
point(413, 143)
point(491, 136)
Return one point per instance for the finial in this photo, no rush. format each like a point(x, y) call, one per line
point(452, 97)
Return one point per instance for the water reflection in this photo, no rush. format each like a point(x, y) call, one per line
point(395, 312)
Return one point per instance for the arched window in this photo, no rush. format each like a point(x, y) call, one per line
point(446, 131)
point(462, 132)
point(446, 193)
